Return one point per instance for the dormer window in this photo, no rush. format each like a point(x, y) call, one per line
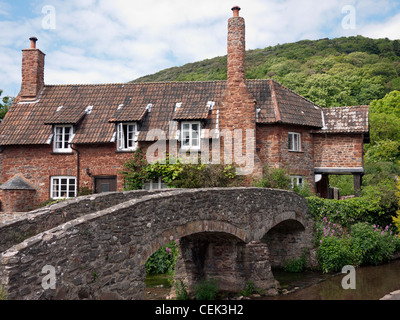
point(63, 135)
point(127, 136)
point(190, 135)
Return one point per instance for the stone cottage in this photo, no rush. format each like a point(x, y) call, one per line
point(56, 139)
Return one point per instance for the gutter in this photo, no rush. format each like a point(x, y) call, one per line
point(77, 168)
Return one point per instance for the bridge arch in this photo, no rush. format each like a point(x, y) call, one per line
point(101, 255)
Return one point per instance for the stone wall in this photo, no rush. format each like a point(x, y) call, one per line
point(102, 254)
point(31, 223)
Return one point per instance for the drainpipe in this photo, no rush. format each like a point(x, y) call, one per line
point(77, 168)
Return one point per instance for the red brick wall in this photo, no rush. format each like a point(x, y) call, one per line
point(272, 147)
point(338, 150)
point(17, 200)
point(38, 163)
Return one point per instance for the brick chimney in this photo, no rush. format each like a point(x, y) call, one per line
point(236, 49)
point(32, 71)
point(238, 112)
point(238, 101)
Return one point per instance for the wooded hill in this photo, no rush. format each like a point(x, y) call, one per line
point(330, 72)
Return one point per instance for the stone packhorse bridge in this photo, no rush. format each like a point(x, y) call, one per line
point(95, 247)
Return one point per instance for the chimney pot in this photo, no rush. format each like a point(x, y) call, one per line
point(236, 10)
point(33, 42)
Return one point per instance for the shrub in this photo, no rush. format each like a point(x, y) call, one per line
point(296, 264)
point(206, 289)
point(134, 171)
point(305, 190)
point(371, 208)
point(181, 290)
point(206, 176)
point(376, 244)
point(336, 252)
point(250, 289)
point(274, 178)
point(178, 174)
point(163, 260)
point(85, 191)
point(364, 244)
point(396, 219)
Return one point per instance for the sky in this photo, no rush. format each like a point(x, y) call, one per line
point(115, 41)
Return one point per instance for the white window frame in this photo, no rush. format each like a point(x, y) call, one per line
point(295, 181)
point(56, 190)
point(154, 184)
point(60, 137)
point(127, 139)
point(294, 141)
point(191, 145)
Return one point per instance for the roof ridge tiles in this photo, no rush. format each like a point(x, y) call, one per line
point(131, 83)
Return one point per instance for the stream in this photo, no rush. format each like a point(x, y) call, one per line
point(372, 283)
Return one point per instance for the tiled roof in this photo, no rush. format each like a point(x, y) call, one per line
point(280, 104)
point(346, 120)
point(95, 109)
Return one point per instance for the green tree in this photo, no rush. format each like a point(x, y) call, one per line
point(390, 104)
point(5, 104)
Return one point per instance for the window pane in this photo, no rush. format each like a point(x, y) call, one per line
point(131, 136)
point(54, 193)
point(296, 142)
point(290, 141)
point(195, 139)
point(186, 139)
point(186, 126)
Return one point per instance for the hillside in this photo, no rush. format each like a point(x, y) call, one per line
point(330, 72)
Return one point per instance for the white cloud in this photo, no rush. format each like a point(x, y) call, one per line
point(386, 29)
point(98, 41)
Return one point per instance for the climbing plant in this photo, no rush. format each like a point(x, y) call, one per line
point(177, 173)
